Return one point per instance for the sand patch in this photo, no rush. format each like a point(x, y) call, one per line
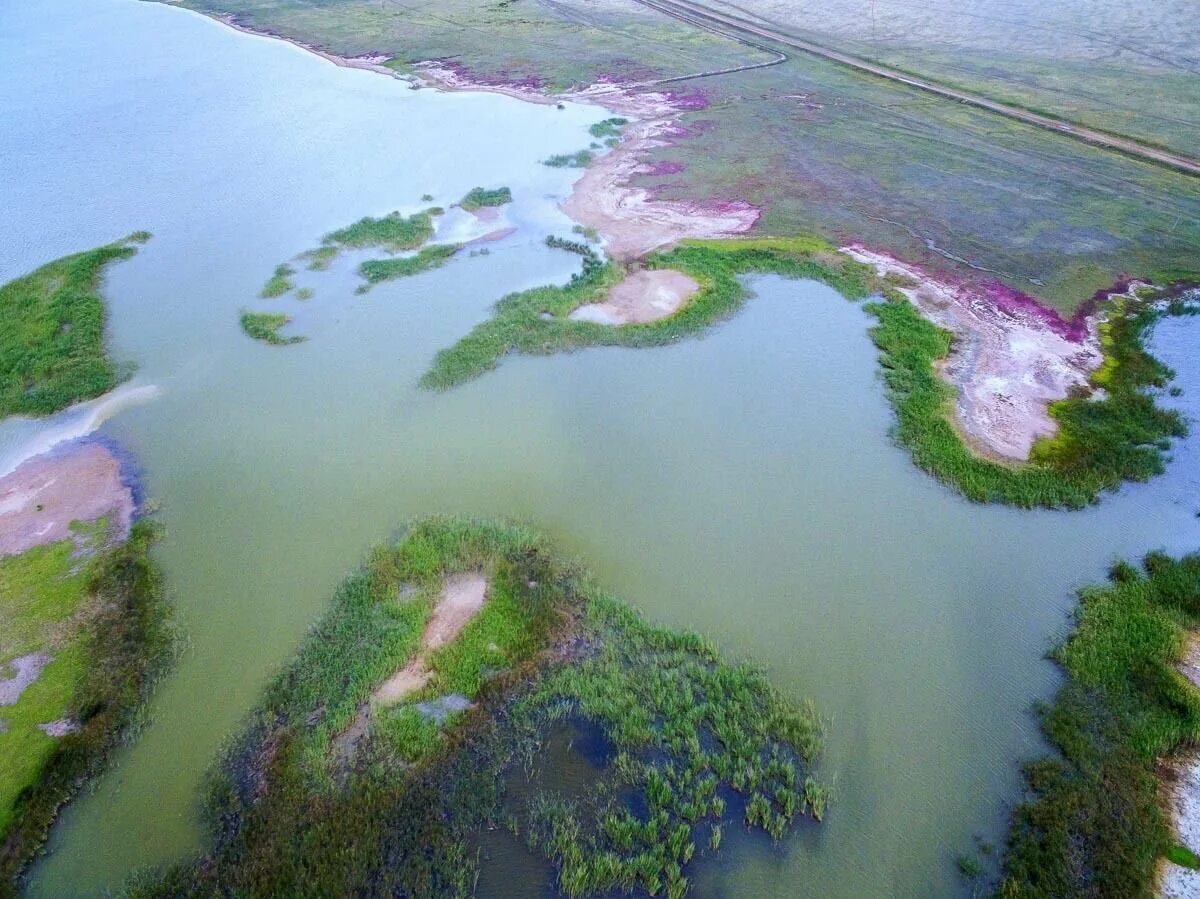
point(1180, 779)
point(645, 296)
point(59, 728)
point(462, 596)
point(1011, 357)
point(26, 670)
point(632, 220)
point(79, 482)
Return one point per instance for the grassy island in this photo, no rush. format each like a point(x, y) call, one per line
point(90, 617)
point(479, 197)
point(265, 326)
point(1119, 435)
point(52, 351)
point(1094, 824)
point(412, 722)
point(279, 283)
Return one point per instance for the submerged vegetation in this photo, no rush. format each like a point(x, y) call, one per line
point(1094, 825)
point(52, 351)
point(608, 128)
point(307, 802)
point(265, 326)
point(580, 159)
point(478, 197)
point(104, 619)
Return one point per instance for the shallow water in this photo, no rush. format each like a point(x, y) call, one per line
point(743, 485)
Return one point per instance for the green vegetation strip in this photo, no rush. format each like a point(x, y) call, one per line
point(694, 743)
point(52, 351)
point(1094, 825)
point(376, 271)
point(479, 197)
point(580, 159)
point(265, 326)
point(1119, 436)
point(105, 621)
point(535, 321)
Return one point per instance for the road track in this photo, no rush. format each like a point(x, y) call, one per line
point(737, 28)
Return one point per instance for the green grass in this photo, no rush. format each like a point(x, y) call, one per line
point(52, 350)
point(1093, 825)
point(279, 283)
point(535, 321)
point(104, 665)
point(392, 233)
point(580, 159)
point(265, 326)
point(376, 271)
point(289, 817)
point(478, 197)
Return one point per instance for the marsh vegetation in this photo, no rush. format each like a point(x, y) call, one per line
point(694, 741)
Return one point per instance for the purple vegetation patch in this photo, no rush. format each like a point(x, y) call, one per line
point(690, 101)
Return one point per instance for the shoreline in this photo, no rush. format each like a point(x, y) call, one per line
point(1013, 356)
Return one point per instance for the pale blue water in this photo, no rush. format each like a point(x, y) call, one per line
point(742, 484)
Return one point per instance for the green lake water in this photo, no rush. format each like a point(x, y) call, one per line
point(743, 484)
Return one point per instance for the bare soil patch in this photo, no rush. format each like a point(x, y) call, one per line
point(1009, 361)
point(645, 296)
point(79, 482)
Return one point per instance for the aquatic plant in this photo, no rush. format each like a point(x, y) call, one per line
point(581, 159)
point(609, 128)
point(52, 350)
point(294, 810)
point(111, 660)
point(265, 326)
point(393, 232)
point(479, 197)
point(1094, 825)
point(376, 271)
point(279, 283)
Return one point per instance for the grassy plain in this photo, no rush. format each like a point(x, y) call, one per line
point(52, 351)
point(692, 740)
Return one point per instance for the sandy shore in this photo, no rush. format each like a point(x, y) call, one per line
point(77, 481)
point(1180, 778)
point(645, 296)
point(367, 63)
point(631, 220)
point(1009, 362)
